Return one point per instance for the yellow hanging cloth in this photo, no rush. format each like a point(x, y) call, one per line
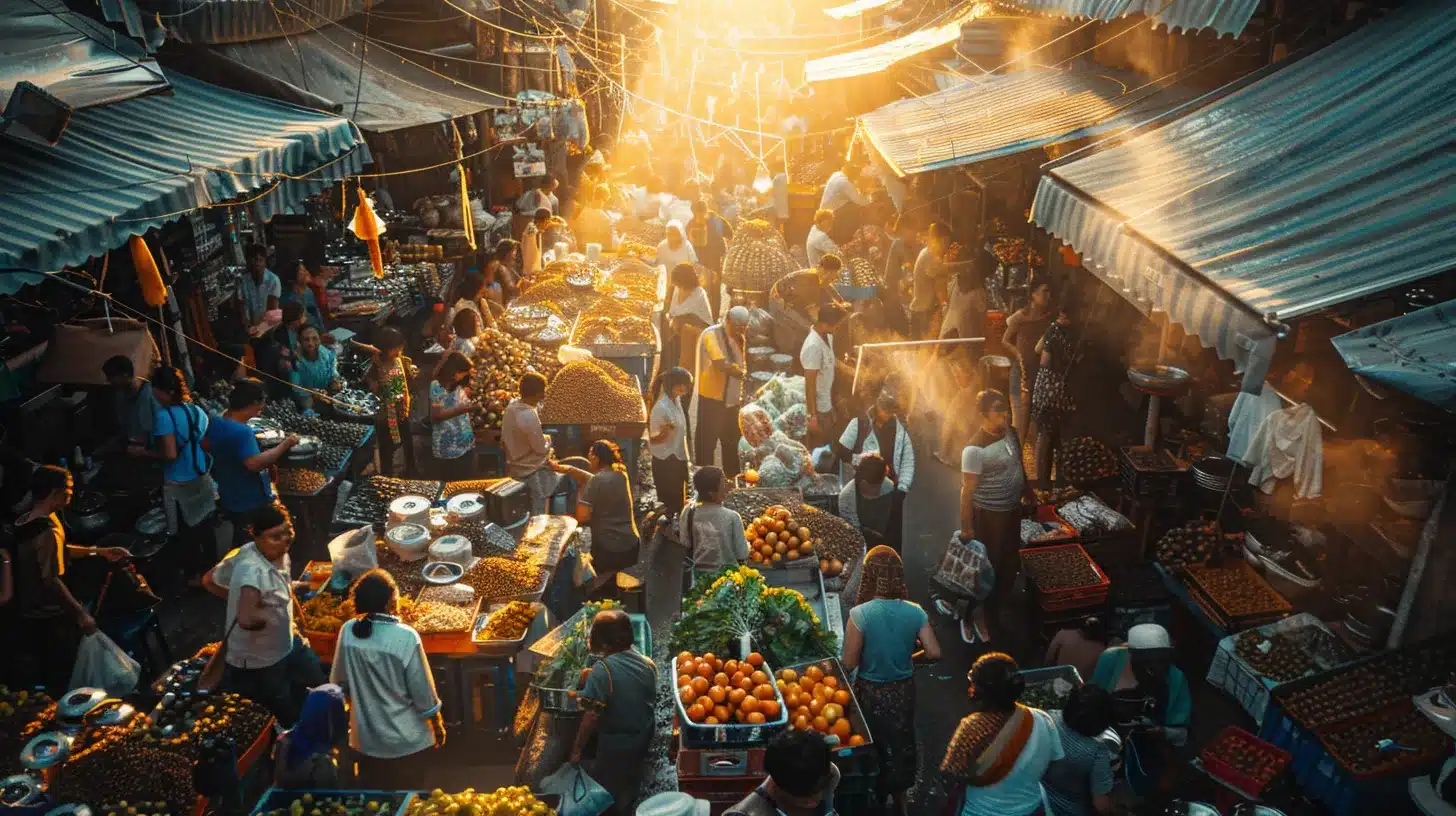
point(153, 289)
point(367, 227)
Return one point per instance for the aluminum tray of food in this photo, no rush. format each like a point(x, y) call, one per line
point(502, 629)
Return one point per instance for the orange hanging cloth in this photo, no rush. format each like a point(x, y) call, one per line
point(153, 289)
point(367, 227)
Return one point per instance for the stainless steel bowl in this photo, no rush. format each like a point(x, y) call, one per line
point(356, 403)
point(1159, 378)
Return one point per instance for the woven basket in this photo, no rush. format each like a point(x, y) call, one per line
point(755, 265)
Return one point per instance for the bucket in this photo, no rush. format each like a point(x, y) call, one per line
point(996, 373)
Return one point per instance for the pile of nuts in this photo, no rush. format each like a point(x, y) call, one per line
point(1251, 759)
point(838, 543)
point(131, 772)
point(1085, 459)
point(1359, 691)
point(301, 481)
point(435, 617)
point(497, 577)
point(510, 622)
point(1354, 745)
point(1282, 660)
point(607, 329)
point(588, 392)
point(1060, 567)
point(1237, 590)
point(1192, 543)
point(184, 720)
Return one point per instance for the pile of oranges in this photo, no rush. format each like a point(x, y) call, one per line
point(817, 701)
point(714, 691)
point(776, 536)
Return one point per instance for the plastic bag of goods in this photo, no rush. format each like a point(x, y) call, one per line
point(754, 424)
point(795, 457)
point(770, 408)
point(773, 473)
point(353, 553)
point(794, 421)
point(751, 456)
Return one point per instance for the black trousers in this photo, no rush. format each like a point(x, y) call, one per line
point(717, 422)
point(670, 476)
point(388, 446)
point(282, 686)
point(459, 469)
point(895, 535)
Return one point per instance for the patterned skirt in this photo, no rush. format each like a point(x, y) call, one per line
point(889, 711)
point(1050, 399)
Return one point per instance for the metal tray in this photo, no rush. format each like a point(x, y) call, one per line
point(501, 647)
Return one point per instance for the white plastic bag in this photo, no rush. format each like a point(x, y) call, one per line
point(100, 663)
point(353, 553)
point(966, 568)
point(580, 794)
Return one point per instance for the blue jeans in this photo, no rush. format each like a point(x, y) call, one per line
point(282, 686)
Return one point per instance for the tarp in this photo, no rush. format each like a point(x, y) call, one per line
point(882, 56)
point(393, 91)
point(1223, 16)
point(79, 349)
point(71, 57)
point(1414, 353)
point(1002, 114)
point(123, 169)
point(1329, 179)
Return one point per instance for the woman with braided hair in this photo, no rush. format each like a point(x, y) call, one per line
point(996, 759)
point(880, 646)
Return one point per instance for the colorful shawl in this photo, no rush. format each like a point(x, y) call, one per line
point(883, 576)
point(986, 746)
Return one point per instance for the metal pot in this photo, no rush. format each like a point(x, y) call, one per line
point(1157, 378)
point(21, 790)
point(305, 451)
point(267, 431)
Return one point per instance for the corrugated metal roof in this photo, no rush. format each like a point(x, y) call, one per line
point(75, 59)
point(1223, 16)
point(233, 21)
point(1414, 353)
point(395, 92)
point(1329, 179)
point(123, 169)
point(882, 56)
point(1004, 114)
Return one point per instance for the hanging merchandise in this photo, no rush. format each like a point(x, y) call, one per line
point(1289, 444)
point(467, 219)
point(368, 227)
point(1249, 412)
point(529, 160)
point(153, 289)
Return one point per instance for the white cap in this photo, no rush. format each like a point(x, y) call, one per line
point(1148, 636)
point(740, 315)
point(674, 803)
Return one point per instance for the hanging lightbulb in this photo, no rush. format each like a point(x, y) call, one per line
point(761, 182)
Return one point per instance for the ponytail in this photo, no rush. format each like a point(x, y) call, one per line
point(666, 381)
point(374, 596)
point(609, 455)
point(654, 391)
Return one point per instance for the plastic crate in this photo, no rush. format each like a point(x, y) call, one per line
point(710, 762)
point(695, 735)
point(1161, 480)
point(862, 755)
point(1058, 600)
point(1222, 770)
point(391, 803)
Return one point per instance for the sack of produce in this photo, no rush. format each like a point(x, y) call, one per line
point(966, 568)
point(773, 473)
point(795, 457)
point(754, 424)
point(1089, 516)
point(794, 421)
point(592, 391)
point(771, 408)
point(757, 258)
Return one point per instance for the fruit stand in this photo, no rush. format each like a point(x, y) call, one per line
point(508, 801)
point(1250, 665)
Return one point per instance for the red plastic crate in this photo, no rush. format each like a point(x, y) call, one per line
point(1217, 767)
point(1057, 600)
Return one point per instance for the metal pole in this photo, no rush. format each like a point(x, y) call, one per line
point(1155, 402)
point(1418, 568)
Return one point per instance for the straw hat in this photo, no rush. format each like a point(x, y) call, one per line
point(675, 803)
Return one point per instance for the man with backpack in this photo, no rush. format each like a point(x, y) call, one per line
point(882, 432)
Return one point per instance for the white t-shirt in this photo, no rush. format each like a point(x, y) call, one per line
point(692, 303)
point(817, 354)
point(675, 446)
point(390, 687)
point(839, 190)
point(1020, 792)
point(818, 245)
point(255, 294)
point(264, 647)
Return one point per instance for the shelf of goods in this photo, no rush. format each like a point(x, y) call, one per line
point(629, 342)
point(512, 801)
point(564, 650)
point(368, 502)
point(338, 441)
point(1252, 663)
point(1330, 724)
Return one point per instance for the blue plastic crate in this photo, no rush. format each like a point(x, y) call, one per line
point(709, 736)
point(1321, 777)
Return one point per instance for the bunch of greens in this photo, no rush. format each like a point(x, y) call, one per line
point(721, 608)
point(573, 653)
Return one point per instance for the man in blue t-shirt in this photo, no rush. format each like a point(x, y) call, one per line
point(239, 467)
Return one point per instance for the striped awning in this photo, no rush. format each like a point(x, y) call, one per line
point(1002, 114)
point(125, 168)
point(71, 57)
point(233, 21)
point(393, 90)
point(1223, 16)
point(875, 58)
point(1327, 180)
point(1414, 353)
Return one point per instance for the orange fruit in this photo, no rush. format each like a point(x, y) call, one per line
point(793, 555)
point(681, 656)
point(749, 704)
point(831, 681)
point(789, 676)
point(814, 673)
point(816, 707)
point(735, 696)
point(696, 713)
point(803, 711)
point(759, 678)
point(700, 685)
point(705, 670)
point(730, 666)
point(721, 713)
point(771, 538)
point(684, 680)
point(763, 691)
point(711, 720)
point(687, 695)
point(770, 709)
point(833, 713)
point(745, 683)
point(755, 557)
point(841, 729)
point(755, 659)
point(718, 694)
point(777, 557)
point(801, 723)
point(856, 739)
point(841, 697)
point(707, 657)
point(756, 718)
point(821, 725)
point(720, 679)
point(822, 692)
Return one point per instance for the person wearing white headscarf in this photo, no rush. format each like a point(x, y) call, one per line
point(675, 247)
point(1152, 704)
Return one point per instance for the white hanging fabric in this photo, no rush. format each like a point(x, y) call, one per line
point(1288, 444)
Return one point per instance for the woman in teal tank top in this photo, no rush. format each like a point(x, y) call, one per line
point(879, 646)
